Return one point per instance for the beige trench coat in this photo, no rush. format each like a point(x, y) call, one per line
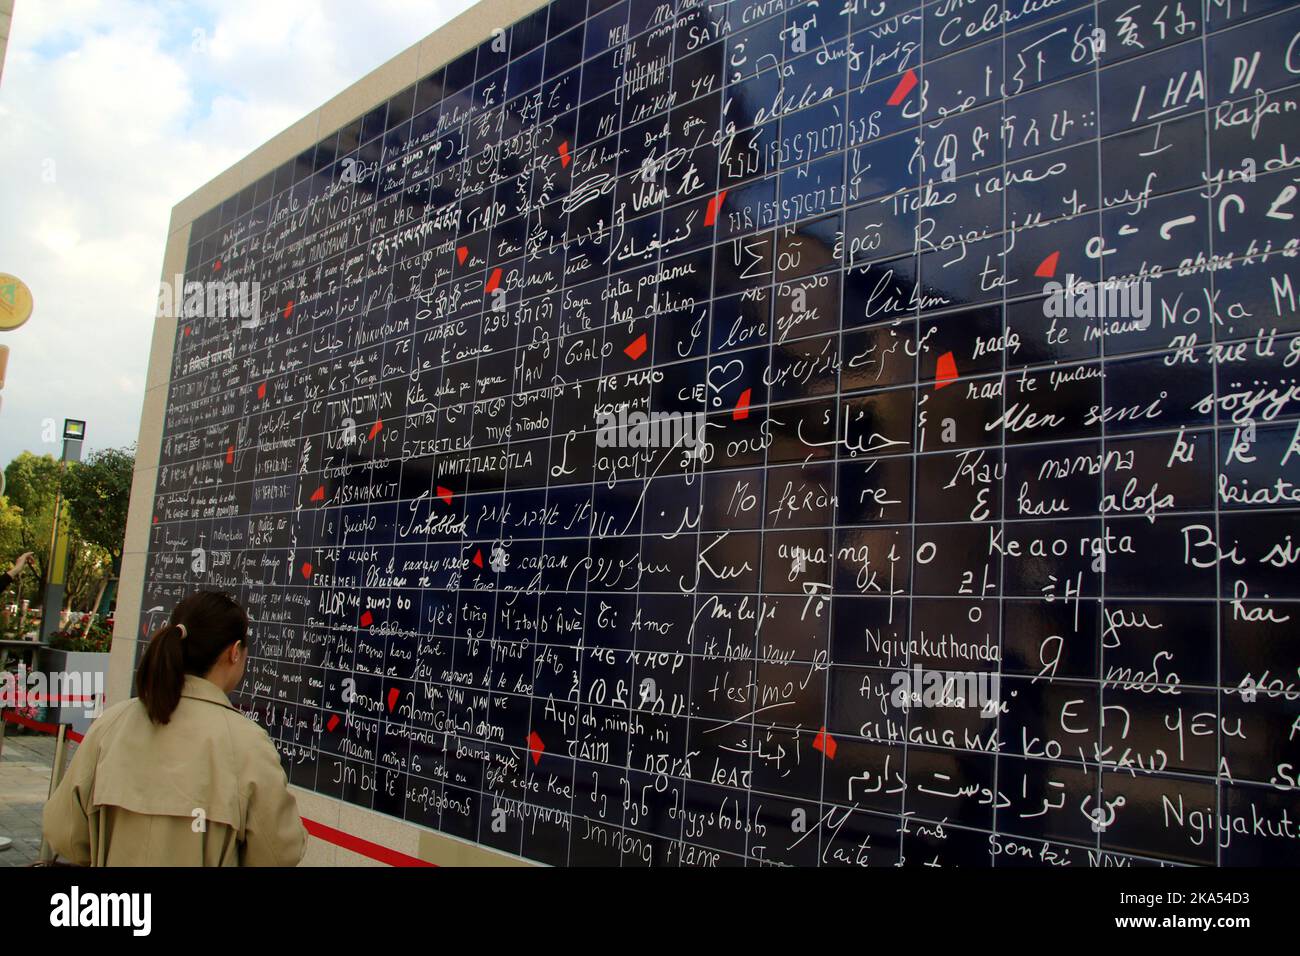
point(205, 789)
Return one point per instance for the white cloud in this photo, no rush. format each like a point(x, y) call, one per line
point(110, 116)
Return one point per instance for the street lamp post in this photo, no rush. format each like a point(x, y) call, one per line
point(74, 434)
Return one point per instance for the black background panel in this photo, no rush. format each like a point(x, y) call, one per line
point(978, 323)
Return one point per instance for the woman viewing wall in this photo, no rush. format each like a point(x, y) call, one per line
point(177, 776)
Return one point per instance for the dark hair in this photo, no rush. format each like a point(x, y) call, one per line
point(212, 622)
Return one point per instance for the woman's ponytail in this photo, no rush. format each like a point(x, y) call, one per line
point(202, 626)
point(162, 673)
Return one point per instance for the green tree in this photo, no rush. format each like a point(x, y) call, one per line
point(11, 545)
point(98, 492)
point(31, 483)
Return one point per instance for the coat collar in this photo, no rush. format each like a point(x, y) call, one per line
point(201, 689)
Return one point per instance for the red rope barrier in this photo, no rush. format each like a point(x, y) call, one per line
point(364, 847)
point(52, 729)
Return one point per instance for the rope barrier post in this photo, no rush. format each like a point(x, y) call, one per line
point(5, 841)
point(4, 664)
point(56, 775)
point(9, 649)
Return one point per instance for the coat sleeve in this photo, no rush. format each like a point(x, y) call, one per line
point(274, 833)
point(66, 819)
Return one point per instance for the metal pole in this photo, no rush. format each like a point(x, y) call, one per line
point(56, 775)
point(4, 663)
point(55, 584)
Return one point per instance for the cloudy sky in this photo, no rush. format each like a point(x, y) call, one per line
point(111, 112)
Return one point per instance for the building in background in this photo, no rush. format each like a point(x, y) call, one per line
point(6, 17)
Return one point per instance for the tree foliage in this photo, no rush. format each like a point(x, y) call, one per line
point(96, 493)
point(31, 482)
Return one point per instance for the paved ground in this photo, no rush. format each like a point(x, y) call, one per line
point(24, 785)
